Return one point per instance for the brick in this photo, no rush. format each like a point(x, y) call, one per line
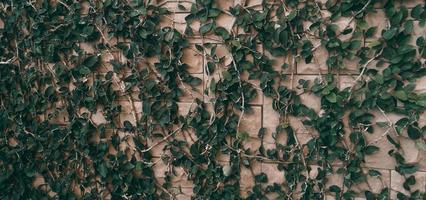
point(252, 121)
point(273, 173)
point(373, 184)
point(85, 8)
point(191, 93)
point(318, 64)
point(130, 112)
point(252, 144)
point(180, 24)
point(346, 81)
point(222, 52)
point(225, 5)
point(56, 114)
point(226, 21)
point(397, 181)
point(409, 3)
point(258, 100)
point(166, 21)
point(187, 135)
point(271, 119)
point(422, 161)
point(277, 62)
point(376, 19)
point(309, 99)
point(334, 179)
point(96, 117)
point(185, 193)
point(410, 151)
point(247, 178)
point(193, 59)
point(342, 23)
point(381, 159)
point(88, 47)
point(420, 86)
point(173, 5)
point(254, 4)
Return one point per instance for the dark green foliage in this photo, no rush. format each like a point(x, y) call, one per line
point(51, 86)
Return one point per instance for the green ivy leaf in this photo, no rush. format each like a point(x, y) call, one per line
point(390, 33)
point(414, 132)
point(369, 150)
point(206, 28)
point(332, 97)
point(401, 95)
point(84, 70)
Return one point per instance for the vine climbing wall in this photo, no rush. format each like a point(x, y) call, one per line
point(212, 99)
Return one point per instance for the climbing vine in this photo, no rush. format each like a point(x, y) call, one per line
point(89, 89)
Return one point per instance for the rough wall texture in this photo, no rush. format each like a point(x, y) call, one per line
point(262, 113)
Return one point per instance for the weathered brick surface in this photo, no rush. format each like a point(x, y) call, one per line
point(262, 113)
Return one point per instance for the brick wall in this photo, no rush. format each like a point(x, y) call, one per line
point(262, 113)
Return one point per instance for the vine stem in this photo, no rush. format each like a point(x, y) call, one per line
point(391, 125)
point(357, 13)
point(162, 140)
point(364, 67)
point(241, 87)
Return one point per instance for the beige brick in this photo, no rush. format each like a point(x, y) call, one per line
point(130, 112)
point(225, 5)
point(178, 174)
point(420, 85)
point(246, 176)
point(106, 57)
point(185, 193)
point(279, 61)
point(351, 66)
point(410, 151)
point(244, 192)
point(180, 24)
point(274, 175)
point(258, 100)
point(334, 179)
point(223, 52)
point(57, 114)
point(96, 117)
point(317, 65)
point(422, 160)
point(346, 81)
point(381, 159)
point(226, 21)
point(409, 3)
point(253, 4)
point(397, 182)
point(193, 59)
point(187, 135)
point(173, 5)
point(191, 93)
point(373, 184)
point(85, 8)
point(271, 119)
point(166, 21)
point(252, 121)
point(376, 19)
point(342, 23)
point(252, 144)
point(88, 47)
